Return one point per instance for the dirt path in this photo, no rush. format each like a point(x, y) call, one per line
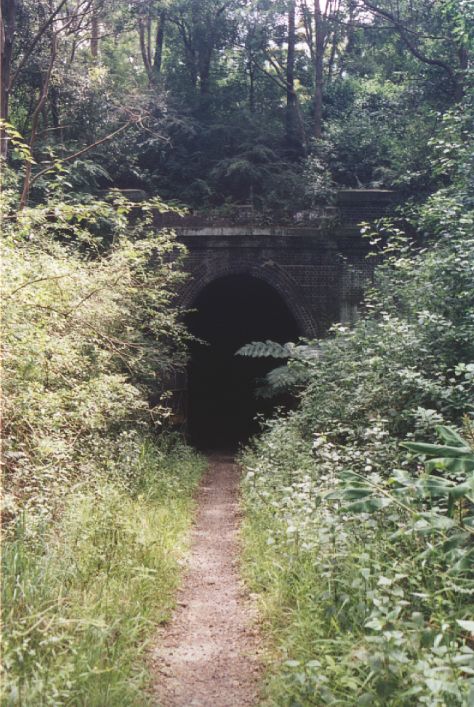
point(208, 654)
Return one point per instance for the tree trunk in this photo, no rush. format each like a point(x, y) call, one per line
point(160, 38)
point(95, 31)
point(144, 48)
point(54, 106)
point(189, 54)
point(350, 38)
point(332, 57)
point(7, 35)
point(318, 70)
point(43, 95)
point(251, 71)
point(290, 78)
point(459, 89)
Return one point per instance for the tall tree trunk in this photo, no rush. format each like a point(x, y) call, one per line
point(463, 56)
point(290, 77)
point(189, 53)
point(160, 38)
point(332, 57)
point(318, 69)
point(95, 31)
point(7, 34)
point(144, 49)
point(43, 95)
point(350, 38)
point(251, 71)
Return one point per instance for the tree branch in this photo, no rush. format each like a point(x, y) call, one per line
point(404, 33)
point(82, 151)
point(35, 41)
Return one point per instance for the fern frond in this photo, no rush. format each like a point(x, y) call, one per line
point(283, 379)
point(271, 349)
point(267, 349)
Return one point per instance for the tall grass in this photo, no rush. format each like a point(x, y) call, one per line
point(357, 617)
point(81, 597)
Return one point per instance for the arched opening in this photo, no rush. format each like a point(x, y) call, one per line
point(230, 312)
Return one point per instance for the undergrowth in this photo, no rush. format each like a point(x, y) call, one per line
point(359, 504)
point(97, 498)
point(81, 597)
point(358, 609)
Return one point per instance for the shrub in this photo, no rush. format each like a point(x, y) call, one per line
point(89, 333)
point(361, 551)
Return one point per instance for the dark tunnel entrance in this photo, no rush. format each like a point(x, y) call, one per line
point(230, 312)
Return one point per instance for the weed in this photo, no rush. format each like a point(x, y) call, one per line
point(82, 597)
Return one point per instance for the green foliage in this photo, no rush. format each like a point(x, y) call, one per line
point(15, 140)
point(259, 349)
point(283, 378)
point(438, 503)
point(81, 602)
point(211, 122)
point(366, 592)
point(359, 536)
point(89, 333)
point(96, 506)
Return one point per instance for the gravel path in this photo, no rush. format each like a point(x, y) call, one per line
point(208, 654)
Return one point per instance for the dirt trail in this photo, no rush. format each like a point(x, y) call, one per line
point(208, 654)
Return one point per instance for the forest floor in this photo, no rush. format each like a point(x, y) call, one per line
point(209, 652)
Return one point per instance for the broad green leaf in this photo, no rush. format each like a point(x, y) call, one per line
point(465, 562)
point(348, 475)
point(369, 505)
point(466, 489)
point(437, 450)
point(355, 492)
point(436, 486)
point(450, 436)
point(453, 464)
point(455, 541)
point(438, 522)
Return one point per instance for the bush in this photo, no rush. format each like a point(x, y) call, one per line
point(361, 551)
point(97, 505)
point(89, 334)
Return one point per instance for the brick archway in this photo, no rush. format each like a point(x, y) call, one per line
point(269, 272)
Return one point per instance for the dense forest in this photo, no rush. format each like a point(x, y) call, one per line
point(270, 103)
point(358, 501)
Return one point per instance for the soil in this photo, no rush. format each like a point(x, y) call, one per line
point(208, 655)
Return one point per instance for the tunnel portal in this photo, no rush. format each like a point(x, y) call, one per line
point(228, 313)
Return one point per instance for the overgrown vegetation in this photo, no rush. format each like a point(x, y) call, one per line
point(360, 548)
point(96, 503)
point(82, 597)
point(89, 338)
point(362, 552)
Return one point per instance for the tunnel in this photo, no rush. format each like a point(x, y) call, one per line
point(229, 312)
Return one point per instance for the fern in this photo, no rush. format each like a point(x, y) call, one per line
point(290, 350)
point(283, 379)
point(287, 377)
point(266, 349)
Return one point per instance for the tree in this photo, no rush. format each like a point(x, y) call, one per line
point(436, 33)
point(8, 10)
point(202, 26)
point(151, 24)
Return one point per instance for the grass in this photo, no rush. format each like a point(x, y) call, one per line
point(83, 597)
point(359, 622)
